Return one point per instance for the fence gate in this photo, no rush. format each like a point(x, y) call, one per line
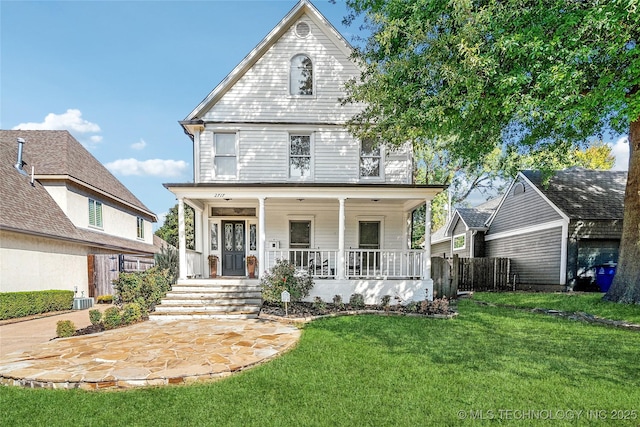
point(105, 268)
point(481, 274)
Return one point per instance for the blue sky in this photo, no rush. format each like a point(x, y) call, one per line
point(119, 75)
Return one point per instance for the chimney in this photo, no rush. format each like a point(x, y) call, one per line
point(19, 162)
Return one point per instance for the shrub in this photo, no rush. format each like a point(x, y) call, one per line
point(284, 276)
point(105, 299)
point(437, 306)
point(337, 302)
point(146, 288)
point(95, 316)
point(131, 313)
point(112, 318)
point(319, 304)
point(386, 300)
point(167, 259)
point(356, 301)
point(65, 328)
point(412, 307)
point(20, 304)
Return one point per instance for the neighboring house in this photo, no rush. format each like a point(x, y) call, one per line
point(555, 232)
point(463, 234)
point(59, 207)
point(277, 175)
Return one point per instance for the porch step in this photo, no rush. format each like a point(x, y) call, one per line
point(211, 299)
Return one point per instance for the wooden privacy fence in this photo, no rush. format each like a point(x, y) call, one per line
point(469, 274)
point(105, 268)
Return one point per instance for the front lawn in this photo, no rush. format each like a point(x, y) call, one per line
point(591, 303)
point(489, 362)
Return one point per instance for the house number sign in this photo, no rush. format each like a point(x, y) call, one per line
point(285, 297)
point(218, 195)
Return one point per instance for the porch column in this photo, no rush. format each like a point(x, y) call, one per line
point(182, 241)
point(426, 273)
point(340, 266)
point(261, 235)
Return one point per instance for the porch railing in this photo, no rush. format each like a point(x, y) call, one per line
point(359, 263)
point(194, 264)
point(319, 263)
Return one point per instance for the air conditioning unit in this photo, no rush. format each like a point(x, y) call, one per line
point(274, 244)
point(82, 303)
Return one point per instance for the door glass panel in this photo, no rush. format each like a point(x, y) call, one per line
point(228, 237)
point(239, 237)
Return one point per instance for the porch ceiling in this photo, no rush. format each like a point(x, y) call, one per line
point(362, 193)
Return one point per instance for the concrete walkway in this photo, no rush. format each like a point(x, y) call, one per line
point(145, 354)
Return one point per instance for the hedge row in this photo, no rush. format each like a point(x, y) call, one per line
point(20, 304)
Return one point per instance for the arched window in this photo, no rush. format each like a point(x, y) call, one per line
point(301, 76)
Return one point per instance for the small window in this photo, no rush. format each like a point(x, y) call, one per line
point(301, 76)
point(299, 156)
point(140, 227)
point(518, 188)
point(459, 242)
point(370, 159)
point(225, 158)
point(95, 213)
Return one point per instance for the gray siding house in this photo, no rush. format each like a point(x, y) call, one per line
point(556, 231)
point(463, 234)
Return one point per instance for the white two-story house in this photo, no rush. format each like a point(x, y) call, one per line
point(277, 175)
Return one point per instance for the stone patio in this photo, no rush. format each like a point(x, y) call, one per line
point(151, 353)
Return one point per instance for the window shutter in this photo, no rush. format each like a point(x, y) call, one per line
point(92, 212)
point(98, 214)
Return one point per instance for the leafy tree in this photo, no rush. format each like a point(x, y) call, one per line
point(169, 230)
point(469, 77)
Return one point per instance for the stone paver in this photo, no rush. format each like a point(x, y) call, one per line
point(149, 354)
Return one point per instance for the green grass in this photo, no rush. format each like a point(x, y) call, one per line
point(591, 303)
point(386, 371)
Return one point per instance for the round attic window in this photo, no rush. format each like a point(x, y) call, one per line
point(302, 30)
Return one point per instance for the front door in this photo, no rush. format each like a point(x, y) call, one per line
point(233, 250)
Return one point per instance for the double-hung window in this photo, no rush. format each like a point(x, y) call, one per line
point(299, 156)
point(299, 240)
point(224, 155)
point(140, 228)
point(370, 159)
point(95, 213)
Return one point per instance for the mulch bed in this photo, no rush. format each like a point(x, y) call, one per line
point(306, 311)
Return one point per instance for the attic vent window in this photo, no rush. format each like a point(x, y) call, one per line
point(518, 189)
point(302, 30)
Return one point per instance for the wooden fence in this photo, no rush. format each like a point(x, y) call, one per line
point(469, 274)
point(105, 268)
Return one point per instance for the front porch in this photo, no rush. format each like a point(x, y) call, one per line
point(349, 238)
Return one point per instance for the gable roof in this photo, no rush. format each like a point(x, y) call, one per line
point(583, 193)
point(56, 154)
point(474, 218)
point(301, 8)
point(30, 209)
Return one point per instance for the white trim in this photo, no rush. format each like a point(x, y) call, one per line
point(526, 230)
point(371, 218)
point(235, 133)
point(544, 197)
point(381, 165)
point(464, 244)
point(564, 253)
point(196, 156)
point(300, 218)
point(309, 177)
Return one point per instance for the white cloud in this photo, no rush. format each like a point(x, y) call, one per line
point(96, 139)
point(71, 120)
point(151, 167)
point(620, 149)
point(139, 145)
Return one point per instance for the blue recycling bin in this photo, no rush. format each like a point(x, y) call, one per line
point(604, 276)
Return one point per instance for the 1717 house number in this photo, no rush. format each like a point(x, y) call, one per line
point(218, 195)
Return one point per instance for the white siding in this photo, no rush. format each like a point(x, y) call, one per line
point(262, 94)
